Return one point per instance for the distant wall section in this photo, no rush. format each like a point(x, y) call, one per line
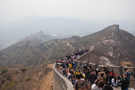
point(94, 57)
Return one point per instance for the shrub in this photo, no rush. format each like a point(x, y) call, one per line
point(9, 85)
point(126, 64)
point(23, 70)
point(4, 71)
point(8, 78)
point(28, 78)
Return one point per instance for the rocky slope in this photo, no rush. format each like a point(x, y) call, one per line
point(112, 41)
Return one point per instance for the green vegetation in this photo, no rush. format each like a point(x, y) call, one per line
point(8, 85)
point(23, 70)
point(28, 78)
point(4, 71)
point(9, 78)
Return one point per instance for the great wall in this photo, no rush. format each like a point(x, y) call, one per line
point(90, 58)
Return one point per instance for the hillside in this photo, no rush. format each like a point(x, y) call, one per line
point(8, 41)
point(29, 51)
point(110, 41)
point(34, 51)
point(26, 78)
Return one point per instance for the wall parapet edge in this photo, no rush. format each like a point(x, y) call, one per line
point(60, 82)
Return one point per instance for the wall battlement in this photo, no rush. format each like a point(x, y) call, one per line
point(62, 83)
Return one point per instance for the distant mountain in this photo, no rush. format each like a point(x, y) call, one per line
point(38, 37)
point(26, 51)
point(55, 26)
point(110, 41)
point(6, 42)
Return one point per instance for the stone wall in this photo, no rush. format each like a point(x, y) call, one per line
point(117, 69)
point(60, 82)
point(94, 57)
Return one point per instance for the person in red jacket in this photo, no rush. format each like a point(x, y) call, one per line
point(113, 74)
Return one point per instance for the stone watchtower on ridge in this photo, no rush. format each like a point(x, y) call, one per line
point(116, 28)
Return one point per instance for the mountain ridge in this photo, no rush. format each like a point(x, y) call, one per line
point(56, 26)
point(110, 41)
point(121, 41)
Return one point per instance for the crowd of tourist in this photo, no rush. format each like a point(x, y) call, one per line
point(89, 79)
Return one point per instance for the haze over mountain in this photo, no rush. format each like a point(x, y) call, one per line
point(55, 26)
point(111, 41)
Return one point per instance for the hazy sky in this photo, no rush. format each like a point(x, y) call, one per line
point(13, 10)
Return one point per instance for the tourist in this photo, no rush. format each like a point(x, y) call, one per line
point(70, 66)
point(94, 86)
point(113, 74)
point(109, 78)
point(100, 84)
point(128, 74)
point(107, 87)
point(124, 82)
point(92, 77)
point(74, 65)
point(87, 73)
point(97, 71)
point(77, 78)
point(81, 85)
